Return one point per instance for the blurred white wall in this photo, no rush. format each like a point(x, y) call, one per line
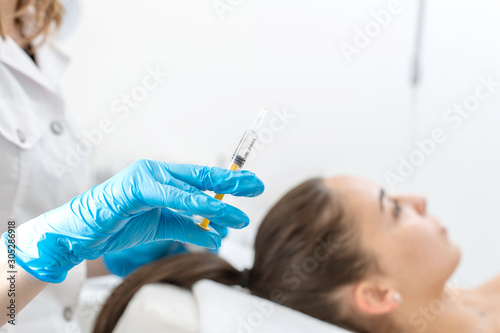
point(348, 117)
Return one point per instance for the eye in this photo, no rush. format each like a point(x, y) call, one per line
point(397, 209)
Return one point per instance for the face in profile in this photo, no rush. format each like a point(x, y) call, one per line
point(411, 247)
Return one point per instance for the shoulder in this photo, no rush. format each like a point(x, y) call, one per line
point(490, 287)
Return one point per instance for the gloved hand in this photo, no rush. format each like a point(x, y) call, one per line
point(143, 203)
point(123, 262)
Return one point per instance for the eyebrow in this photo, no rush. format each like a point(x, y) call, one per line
point(381, 198)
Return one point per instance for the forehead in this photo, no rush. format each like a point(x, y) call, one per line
point(360, 197)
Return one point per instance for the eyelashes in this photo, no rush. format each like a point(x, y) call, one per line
point(397, 209)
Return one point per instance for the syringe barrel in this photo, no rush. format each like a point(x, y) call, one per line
point(244, 147)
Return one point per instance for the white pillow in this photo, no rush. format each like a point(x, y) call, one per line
point(160, 308)
point(230, 309)
point(212, 308)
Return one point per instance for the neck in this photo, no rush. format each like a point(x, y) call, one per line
point(445, 311)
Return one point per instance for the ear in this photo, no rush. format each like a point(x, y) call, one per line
point(373, 298)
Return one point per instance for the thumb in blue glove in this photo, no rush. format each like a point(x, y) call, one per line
point(124, 262)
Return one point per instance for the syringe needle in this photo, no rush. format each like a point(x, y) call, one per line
point(258, 122)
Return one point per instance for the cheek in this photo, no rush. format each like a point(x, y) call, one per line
point(415, 250)
point(419, 242)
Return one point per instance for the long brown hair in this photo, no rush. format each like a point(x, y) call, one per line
point(305, 250)
point(34, 18)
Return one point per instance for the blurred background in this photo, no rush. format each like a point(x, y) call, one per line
point(402, 92)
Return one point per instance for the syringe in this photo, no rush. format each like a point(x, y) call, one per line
point(241, 154)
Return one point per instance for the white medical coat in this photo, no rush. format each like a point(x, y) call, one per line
point(40, 168)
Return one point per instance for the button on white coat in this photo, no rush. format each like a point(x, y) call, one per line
point(56, 127)
point(68, 313)
point(21, 136)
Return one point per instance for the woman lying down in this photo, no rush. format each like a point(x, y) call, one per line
point(382, 264)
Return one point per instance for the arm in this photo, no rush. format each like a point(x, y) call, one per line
point(14, 297)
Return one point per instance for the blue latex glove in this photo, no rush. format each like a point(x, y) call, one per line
point(123, 262)
point(148, 201)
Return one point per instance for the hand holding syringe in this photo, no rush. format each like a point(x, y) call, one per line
point(240, 155)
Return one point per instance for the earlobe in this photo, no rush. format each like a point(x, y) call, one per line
point(398, 299)
point(373, 299)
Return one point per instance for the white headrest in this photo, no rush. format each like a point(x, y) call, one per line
point(228, 309)
point(211, 308)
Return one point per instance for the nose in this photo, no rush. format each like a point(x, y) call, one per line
point(419, 203)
